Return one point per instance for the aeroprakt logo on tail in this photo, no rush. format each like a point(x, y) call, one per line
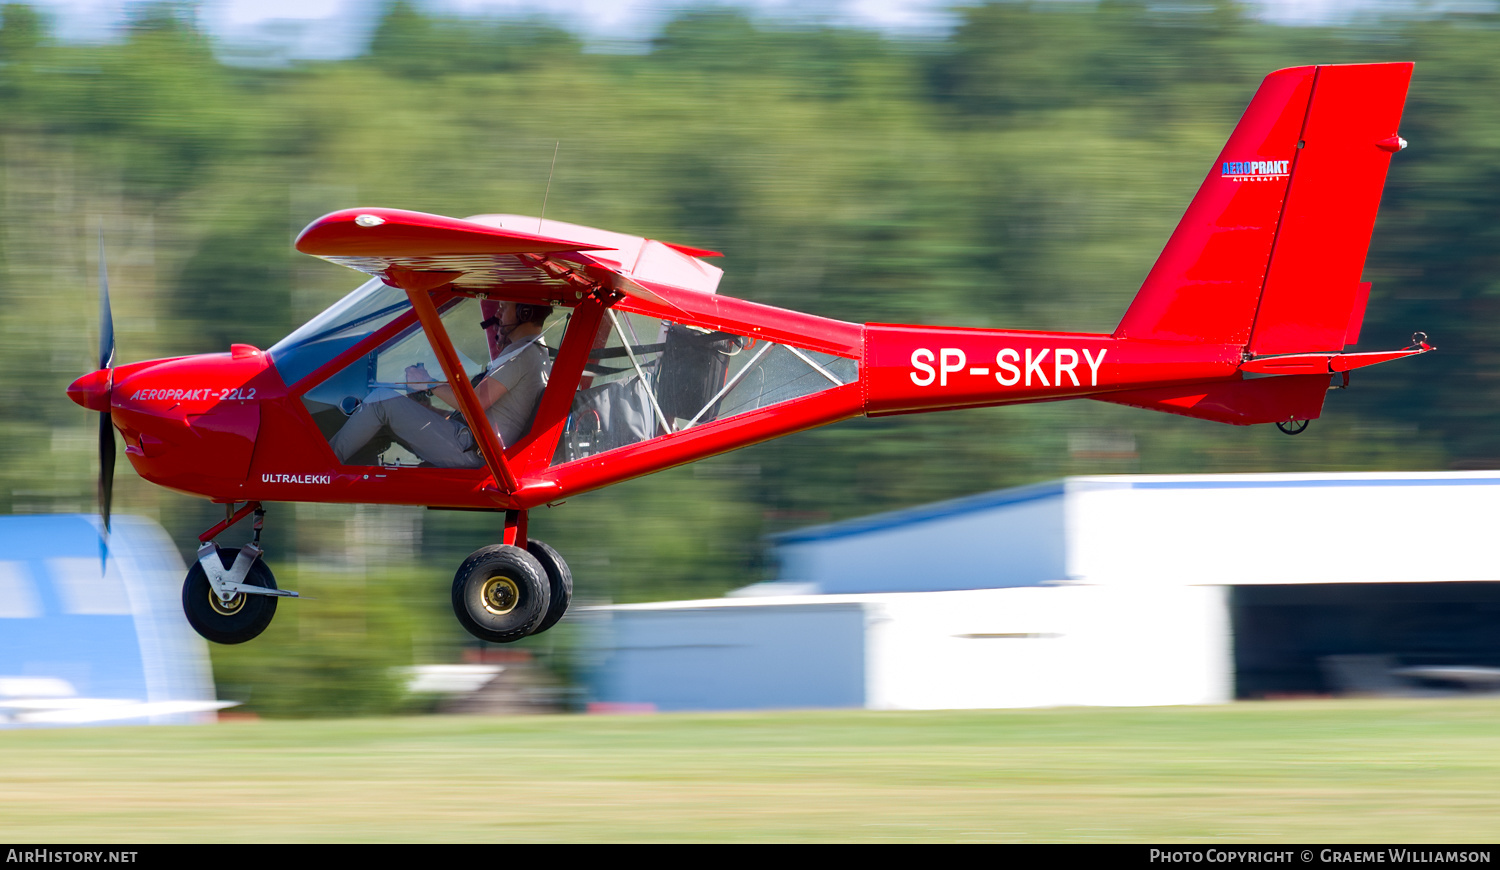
point(1257, 170)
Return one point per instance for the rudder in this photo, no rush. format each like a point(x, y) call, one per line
point(1313, 299)
point(1269, 253)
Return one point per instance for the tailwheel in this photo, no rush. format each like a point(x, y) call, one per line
point(501, 593)
point(239, 617)
point(559, 582)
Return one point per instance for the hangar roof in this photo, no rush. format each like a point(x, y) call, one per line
point(1218, 529)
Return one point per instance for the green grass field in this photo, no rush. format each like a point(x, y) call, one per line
point(1339, 771)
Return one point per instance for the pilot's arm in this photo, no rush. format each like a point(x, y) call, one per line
point(489, 391)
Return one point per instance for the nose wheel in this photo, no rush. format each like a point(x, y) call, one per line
point(229, 596)
point(242, 615)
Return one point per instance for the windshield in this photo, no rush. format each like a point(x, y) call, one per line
point(381, 409)
point(372, 305)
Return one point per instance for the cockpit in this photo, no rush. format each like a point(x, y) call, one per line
point(645, 377)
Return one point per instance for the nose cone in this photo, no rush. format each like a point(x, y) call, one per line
point(92, 390)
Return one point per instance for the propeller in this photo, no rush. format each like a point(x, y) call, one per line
point(106, 362)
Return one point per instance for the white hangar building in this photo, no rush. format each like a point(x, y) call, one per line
point(1121, 590)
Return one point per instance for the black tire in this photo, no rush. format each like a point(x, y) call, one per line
point(244, 618)
point(559, 583)
point(500, 593)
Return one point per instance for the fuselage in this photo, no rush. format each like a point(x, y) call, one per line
point(229, 427)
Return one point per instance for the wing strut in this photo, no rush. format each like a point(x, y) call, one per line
point(535, 450)
point(418, 287)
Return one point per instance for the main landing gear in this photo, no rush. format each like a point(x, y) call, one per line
point(508, 591)
point(501, 593)
point(229, 596)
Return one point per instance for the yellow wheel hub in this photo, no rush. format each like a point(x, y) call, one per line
point(225, 608)
point(500, 595)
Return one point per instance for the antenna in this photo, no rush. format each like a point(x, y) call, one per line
point(555, 146)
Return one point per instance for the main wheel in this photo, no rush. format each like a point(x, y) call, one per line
point(500, 593)
point(241, 618)
point(559, 582)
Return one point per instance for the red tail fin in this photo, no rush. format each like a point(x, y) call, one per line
point(1269, 253)
point(1313, 298)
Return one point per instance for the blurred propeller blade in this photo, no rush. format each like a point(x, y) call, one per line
point(106, 360)
point(106, 466)
point(106, 321)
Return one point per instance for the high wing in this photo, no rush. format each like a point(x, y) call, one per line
point(492, 254)
point(497, 256)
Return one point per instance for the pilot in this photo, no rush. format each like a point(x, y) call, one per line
point(508, 392)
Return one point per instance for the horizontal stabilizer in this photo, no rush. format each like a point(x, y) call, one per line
point(1324, 363)
point(1240, 403)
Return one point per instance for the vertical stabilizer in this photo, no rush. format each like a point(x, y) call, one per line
point(1269, 253)
point(1206, 284)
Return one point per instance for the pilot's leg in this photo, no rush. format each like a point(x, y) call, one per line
point(362, 424)
point(424, 431)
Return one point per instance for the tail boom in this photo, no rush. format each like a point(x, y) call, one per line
point(915, 368)
point(1235, 401)
point(908, 369)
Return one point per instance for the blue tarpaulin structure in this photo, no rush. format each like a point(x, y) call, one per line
point(94, 635)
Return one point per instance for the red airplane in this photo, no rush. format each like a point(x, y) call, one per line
point(502, 362)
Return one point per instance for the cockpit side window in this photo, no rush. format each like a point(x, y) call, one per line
point(340, 327)
point(647, 378)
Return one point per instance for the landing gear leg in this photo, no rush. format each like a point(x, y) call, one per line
point(512, 590)
point(229, 596)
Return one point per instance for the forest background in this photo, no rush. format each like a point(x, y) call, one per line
point(1022, 171)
